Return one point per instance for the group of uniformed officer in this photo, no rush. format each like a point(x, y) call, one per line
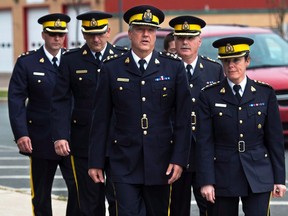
point(130, 116)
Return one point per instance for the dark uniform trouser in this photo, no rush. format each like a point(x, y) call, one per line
point(91, 195)
point(181, 196)
point(42, 175)
point(142, 200)
point(256, 204)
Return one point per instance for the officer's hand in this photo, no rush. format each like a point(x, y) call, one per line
point(96, 175)
point(62, 147)
point(24, 144)
point(208, 193)
point(175, 171)
point(279, 190)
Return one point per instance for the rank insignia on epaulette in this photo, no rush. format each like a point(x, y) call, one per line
point(127, 60)
point(157, 61)
point(84, 52)
point(41, 60)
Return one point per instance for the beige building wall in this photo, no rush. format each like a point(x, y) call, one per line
point(18, 12)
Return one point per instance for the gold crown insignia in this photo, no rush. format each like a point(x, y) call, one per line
point(185, 26)
point(147, 16)
point(93, 23)
point(229, 48)
point(57, 23)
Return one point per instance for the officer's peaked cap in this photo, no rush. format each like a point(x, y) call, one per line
point(187, 25)
point(144, 15)
point(233, 47)
point(94, 22)
point(56, 22)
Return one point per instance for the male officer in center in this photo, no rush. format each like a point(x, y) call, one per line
point(73, 102)
point(201, 71)
point(144, 88)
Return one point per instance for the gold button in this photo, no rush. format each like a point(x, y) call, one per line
point(98, 70)
point(241, 135)
point(75, 121)
point(193, 128)
point(259, 113)
point(30, 121)
point(240, 108)
point(266, 155)
point(171, 141)
point(142, 82)
point(240, 121)
point(39, 81)
point(214, 158)
point(145, 132)
point(191, 85)
point(164, 88)
point(120, 88)
point(144, 115)
point(80, 78)
point(220, 113)
point(115, 141)
point(259, 126)
point(193, 100)
point(143, 99)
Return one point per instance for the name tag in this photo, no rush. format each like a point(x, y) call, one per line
point(122, 79)
point(220, 105)
point(38, 73)
point(81, 71)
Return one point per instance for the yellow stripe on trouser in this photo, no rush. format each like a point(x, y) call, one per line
point(170, 196)
point(268, 210)
point(75, 178)
point(32, 186)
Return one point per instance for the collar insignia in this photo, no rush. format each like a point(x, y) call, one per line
point(111, 52)
point(201, 65)
point(84, 52)
point(157, 61)
point(127, 60)
point(222, 91)
point(41, 60)
point(253, 89)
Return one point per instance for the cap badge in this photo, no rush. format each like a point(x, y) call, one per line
point(229, 48)
point(147, 16)
point(57, 23)
point(93, 22)
point(185, 26)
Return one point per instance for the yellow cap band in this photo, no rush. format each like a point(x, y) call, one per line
point(139, 17)
point(191, 27)
point(94, 23)
point(54, 24)
point(236, 48)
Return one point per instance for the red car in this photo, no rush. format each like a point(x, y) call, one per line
point(269, 57)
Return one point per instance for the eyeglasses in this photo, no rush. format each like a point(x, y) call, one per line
point(55, 34)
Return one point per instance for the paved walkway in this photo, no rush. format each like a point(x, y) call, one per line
point(15, 203)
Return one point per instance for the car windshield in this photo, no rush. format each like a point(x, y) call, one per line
point(268, 50)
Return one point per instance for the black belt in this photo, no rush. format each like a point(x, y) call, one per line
point(242, 146)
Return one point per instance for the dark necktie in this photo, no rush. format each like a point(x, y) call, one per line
point(54, 60)
point(188, 68)
point(141, 63)
point(236, 89)
point(97, 56)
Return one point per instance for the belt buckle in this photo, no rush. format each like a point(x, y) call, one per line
point(193, 118)
point(241, 146)
point(144, 122)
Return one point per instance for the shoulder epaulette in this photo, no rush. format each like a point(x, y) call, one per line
point(112, 57)
point(210, 85)
point(209, 59)
point(170, 56)
point(121, 48)
point(27, 53)
point(69, 51)
point(262, 83)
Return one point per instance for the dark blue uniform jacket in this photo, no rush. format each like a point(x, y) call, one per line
point(144, 140)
